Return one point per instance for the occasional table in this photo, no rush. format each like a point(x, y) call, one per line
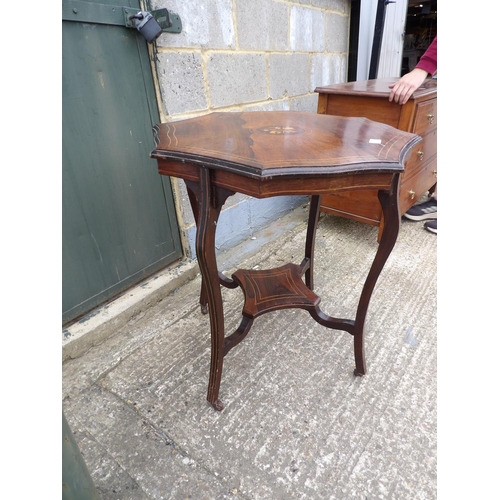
point(274, 153)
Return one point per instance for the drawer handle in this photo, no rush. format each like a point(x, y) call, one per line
point(412, 194)
point(430, 117)
point(435, 172)
point(420, 154)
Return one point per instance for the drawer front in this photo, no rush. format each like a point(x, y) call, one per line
point(413, 188)
point(421, 154)
point(425, 116)
point(373, 108)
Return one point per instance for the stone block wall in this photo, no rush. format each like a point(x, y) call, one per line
point(247, 55)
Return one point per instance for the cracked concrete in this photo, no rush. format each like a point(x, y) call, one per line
point(296, 423)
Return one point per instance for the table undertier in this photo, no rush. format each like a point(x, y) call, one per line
point(279, 288)
point(274, 289)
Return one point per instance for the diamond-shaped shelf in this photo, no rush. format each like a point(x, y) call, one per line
point(273, 289)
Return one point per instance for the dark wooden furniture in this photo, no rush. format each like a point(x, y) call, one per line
point(265, 154)
point(370, 98)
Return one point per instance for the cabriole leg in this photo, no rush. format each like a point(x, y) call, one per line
point(389, 200)
point(207, 213)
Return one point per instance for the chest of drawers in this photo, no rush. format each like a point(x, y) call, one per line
point(370, 98)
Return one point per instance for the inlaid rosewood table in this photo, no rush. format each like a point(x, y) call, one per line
point(264, 154)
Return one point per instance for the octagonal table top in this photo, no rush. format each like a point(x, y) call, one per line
point(269, 144)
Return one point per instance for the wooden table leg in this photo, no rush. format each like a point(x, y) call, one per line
point(207, 213)
point(218, 199)
point(389, 201)
point(308, 263)
point(192, 189)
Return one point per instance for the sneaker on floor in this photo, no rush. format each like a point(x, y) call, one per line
point(425, 211)
point(432, 226)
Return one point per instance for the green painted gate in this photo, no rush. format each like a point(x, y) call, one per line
point(118, 216)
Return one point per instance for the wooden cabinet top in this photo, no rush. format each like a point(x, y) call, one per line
point(377, 88)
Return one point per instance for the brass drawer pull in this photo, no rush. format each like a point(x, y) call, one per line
point(435, 172)
point(412, 194)
point(430, 117)
point(420, 154)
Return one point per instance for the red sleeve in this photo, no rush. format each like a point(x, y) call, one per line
point(428, 61)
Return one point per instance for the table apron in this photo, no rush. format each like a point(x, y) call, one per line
point(280, 185)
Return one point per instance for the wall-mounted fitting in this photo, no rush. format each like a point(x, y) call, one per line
point(152, 24)
point(147, 25)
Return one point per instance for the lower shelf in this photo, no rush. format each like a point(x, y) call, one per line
point(274, 289)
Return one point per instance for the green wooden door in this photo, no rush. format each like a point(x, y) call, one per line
point(118, 218)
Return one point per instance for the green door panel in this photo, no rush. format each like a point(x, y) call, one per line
point(118, 218)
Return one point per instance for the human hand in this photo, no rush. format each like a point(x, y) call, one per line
point(403, 89)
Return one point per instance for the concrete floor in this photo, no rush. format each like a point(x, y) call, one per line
point(297, 423)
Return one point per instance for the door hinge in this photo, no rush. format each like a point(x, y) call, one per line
point(116, 15)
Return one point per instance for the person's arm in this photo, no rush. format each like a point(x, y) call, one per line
point(403, 89)
point(428, 61)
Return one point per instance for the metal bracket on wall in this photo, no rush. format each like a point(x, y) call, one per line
point(116, 15)
point(168, 21)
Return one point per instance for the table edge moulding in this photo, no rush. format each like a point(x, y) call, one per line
point(277, 153)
